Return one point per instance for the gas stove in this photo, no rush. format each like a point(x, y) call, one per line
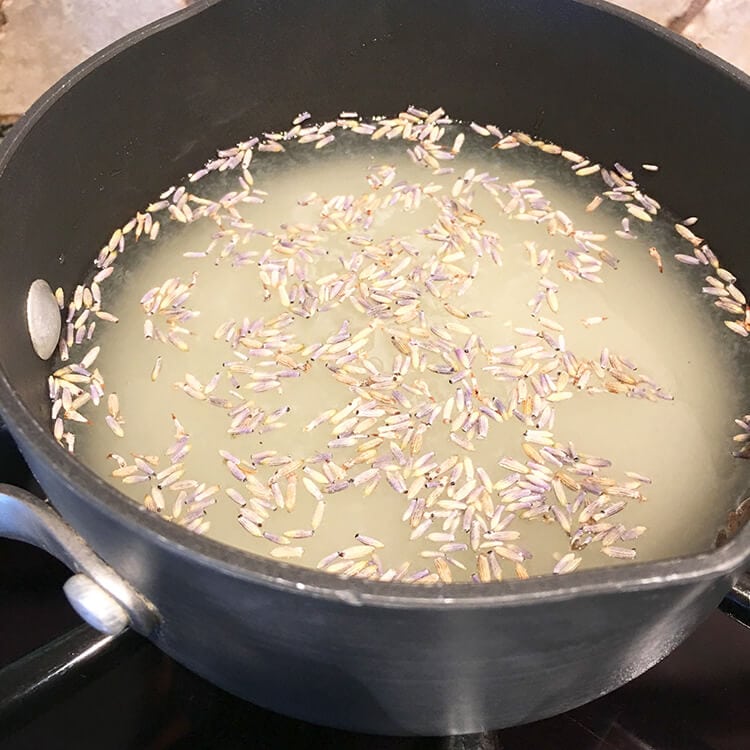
point(127, 694)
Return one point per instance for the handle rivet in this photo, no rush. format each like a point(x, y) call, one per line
point(43, 318)
point(95, 605)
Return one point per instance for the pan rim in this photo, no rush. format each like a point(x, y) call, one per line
point(252, 568)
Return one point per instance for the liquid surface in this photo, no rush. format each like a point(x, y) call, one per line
point(598, 466)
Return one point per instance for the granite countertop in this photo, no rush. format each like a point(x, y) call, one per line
point(40, 40)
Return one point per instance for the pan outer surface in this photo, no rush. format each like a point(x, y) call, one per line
point(143, 113)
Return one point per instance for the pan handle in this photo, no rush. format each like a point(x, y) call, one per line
point(96, 592)
point(737, 602)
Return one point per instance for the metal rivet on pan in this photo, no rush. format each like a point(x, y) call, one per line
point(95, 605)
point(43, 318)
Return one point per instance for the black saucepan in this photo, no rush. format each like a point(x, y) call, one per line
point(380, 658)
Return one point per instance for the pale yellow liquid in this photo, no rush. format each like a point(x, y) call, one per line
point(660, 321)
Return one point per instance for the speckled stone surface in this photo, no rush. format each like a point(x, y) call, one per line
point(661, 11)
point(724, 28)
point(43, 39)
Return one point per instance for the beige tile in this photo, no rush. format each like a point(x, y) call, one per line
point(661, 11)
point(724, 28)
point(43, 39)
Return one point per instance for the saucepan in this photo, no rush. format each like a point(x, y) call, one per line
point(376, 657)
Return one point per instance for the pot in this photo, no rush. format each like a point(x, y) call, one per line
point(373, 657)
